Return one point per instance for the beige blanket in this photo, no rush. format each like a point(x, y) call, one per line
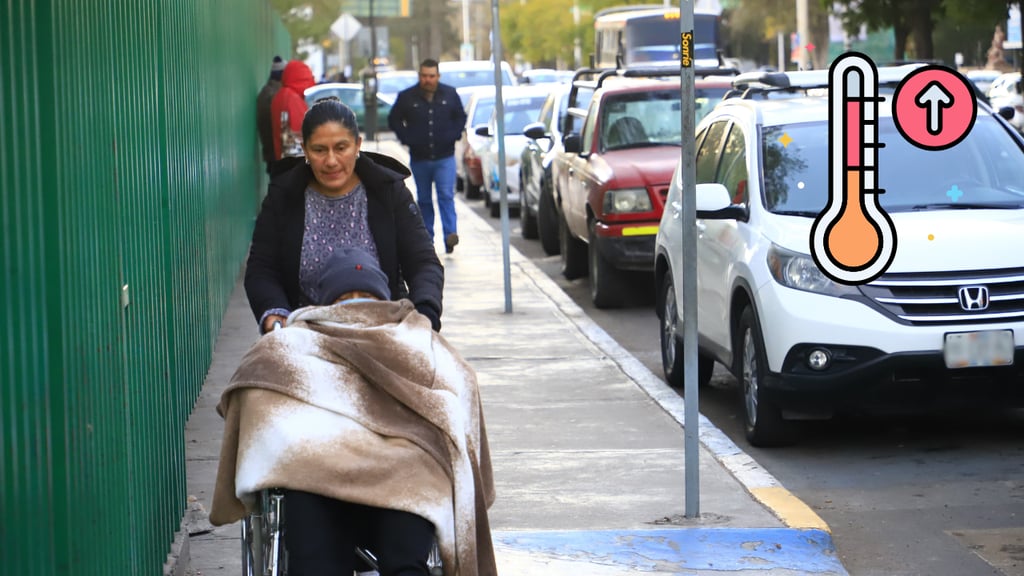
point(362, 402)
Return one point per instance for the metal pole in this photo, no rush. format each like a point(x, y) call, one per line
point(499, 112)
point(691, 413)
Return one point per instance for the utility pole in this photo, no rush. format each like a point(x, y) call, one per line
point(803, 35)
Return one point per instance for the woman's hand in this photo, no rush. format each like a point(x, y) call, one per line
point(272, 322)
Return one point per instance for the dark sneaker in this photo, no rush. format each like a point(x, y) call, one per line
point(450, 242)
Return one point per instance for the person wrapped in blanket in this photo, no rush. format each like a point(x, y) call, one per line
point(371, 423)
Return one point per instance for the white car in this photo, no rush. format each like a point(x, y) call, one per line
point(471, 145)
point(522, 106)
point(946, 317)
point(1005, 91)
point(464, 74)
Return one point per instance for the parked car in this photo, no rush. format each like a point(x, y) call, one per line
point(546, 76)
point(521, 106)
point(983, 79)
point(390, 83)
point(947, 315)
point(350, 94)
point(1005, 91)
point(539, 215)
point(469, 172)
point(617, 173)
point(468, 73)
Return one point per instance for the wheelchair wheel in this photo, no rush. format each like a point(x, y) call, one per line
point(263, 552)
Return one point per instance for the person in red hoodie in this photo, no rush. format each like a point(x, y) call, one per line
point(288, 108)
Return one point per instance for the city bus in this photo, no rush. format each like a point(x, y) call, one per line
point(643, 35)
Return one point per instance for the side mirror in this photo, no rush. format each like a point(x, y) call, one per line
point(535, 131)
point(572, 144)
point(1006, 112)
point(714, 203)
point(482, 131)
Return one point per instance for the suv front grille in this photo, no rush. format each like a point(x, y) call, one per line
point(950, 298)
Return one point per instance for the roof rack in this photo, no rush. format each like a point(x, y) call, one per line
point(594, 78)
point(750, 84)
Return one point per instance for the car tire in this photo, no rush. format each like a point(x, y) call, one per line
point(762, 418)
point(495, 208)
point(606, 282)
point(672, 361)
point(460, 183)
point(473, 192)
point(547, 222)
point(574, 253)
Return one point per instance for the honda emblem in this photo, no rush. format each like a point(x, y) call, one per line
point(973, 298)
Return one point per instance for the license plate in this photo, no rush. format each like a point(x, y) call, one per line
point(982, 348)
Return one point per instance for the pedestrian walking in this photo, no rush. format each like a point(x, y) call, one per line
point(428, 118)
point(288, 108)
point(263, 100)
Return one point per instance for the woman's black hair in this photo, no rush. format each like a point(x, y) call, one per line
point(328, 110)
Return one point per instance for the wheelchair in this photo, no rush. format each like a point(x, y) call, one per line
point(263, 550)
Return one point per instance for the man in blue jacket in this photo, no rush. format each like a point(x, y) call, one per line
point(428, 118)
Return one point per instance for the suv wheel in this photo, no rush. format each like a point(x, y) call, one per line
point(547, 222)
point(605, 279)
point(762, 418)
point(672, 344)
point(574, 253)
point(472, 190)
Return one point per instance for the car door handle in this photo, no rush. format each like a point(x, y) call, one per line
point(572, 171)
point(700, 226)
point(677, 209)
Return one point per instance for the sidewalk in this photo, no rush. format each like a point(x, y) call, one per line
point(586, 443)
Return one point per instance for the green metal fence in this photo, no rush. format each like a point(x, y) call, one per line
point(129, 182)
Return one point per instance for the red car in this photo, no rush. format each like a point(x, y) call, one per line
point(616, 176)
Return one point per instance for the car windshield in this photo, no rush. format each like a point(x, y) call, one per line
point(351, 97)
point(520, 111)
point(651, 118)
point(392, 84)
point(482, 112)
point(463, 78)
point(984, 170)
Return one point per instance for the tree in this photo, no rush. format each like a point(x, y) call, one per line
point(752, 28)
point(307, 21)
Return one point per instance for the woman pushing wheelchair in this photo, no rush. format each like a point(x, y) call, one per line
point(358, 409)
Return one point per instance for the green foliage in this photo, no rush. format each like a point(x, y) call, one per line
point(316, 28)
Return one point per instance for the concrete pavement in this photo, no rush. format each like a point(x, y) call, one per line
point(587, 444)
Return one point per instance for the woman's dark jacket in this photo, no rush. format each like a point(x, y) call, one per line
point(404, 248)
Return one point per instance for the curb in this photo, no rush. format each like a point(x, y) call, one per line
point(761, 485)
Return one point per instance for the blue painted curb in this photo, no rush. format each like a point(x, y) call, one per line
point(679, 550)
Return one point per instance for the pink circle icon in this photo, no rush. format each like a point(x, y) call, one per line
point(934, 107)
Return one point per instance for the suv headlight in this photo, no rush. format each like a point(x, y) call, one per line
point(626, 200)
point(799, 271)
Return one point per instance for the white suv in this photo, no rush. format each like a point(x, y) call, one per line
point(803, 346)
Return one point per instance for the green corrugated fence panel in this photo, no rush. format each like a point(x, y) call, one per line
point(26, 547)
point(129, 182)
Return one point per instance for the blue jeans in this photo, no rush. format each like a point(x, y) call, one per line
point(436, 174)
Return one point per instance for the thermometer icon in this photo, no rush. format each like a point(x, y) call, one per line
point(853, 240)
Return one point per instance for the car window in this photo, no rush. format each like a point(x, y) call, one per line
point(984, 169)
point(521, 111)
point(638, 119)
point(708, 153)
point(732, 171)
point(483, 111)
